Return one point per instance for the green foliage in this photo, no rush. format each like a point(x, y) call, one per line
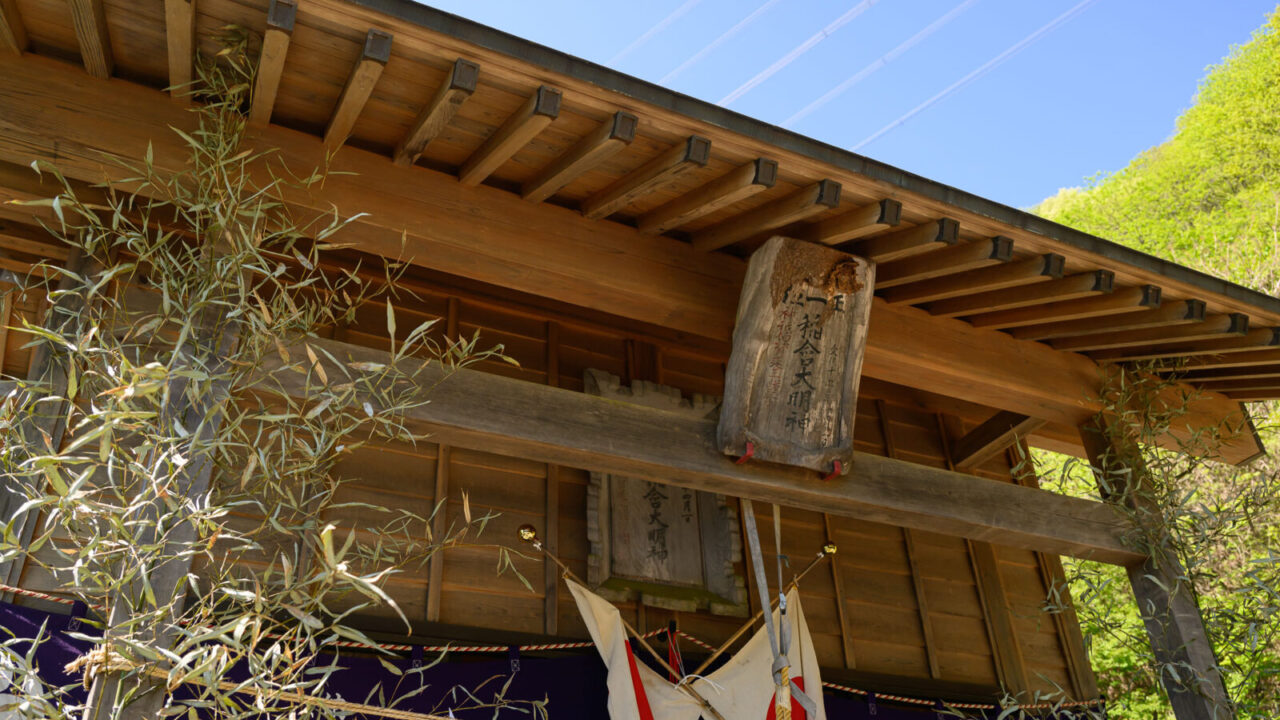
point(1209, 198)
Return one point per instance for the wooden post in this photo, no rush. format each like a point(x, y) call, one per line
point(1166, 600)
point(439, 523)
point(551, 525)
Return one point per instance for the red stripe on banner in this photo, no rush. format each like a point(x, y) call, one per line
point(797, 711)
point(642, 700)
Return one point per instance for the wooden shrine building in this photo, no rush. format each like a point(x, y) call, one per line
point(598, 226)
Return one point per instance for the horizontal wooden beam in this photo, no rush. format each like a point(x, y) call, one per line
point(1098, 282)
point(1252, 372)
point(1127, 300)
point(281, 16)
point(742, 182)
point(991, 438)
point(1212, 327)
point(13, 32)
point(611, 136)
point(500, 415)
point(1231, 386)
point(180, 36)
point(911, 241)
point(89, 18)
point(542, 249)
point(355, 94)
point(947, 261)
point(866, 220)
point(1258, 395)
point(805, 202)
point(1250, 341)
point(436, 114)
point(1169, 314)
point(1015, 274)
point(691, 154)
point(520, 127)
point(1243, 359)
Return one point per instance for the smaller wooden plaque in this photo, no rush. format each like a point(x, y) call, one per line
point(791, 388)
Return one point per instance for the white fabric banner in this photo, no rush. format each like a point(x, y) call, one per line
point(742, 689)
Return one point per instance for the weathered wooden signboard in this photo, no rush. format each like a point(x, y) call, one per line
point(673, 547)
point(791, 387)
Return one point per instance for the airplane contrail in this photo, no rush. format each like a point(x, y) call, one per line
point(718, 41)
point(799, 50)
point(662, 25)
point(880, 62)
point(984, 69)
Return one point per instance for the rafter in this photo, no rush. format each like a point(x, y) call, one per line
point(1127, 300)
point(1098, 282)
point(523, 125)
point(866, 220)
point(1023, 272)
point(911, 241)
point(743, 182)
point(90, 20)
point(281, 15)
point(13, 33)
point(947, 261)
point(1254, 372)
point(355, 94)
point(611, 136)
point(1250, 341)
point(1169, 314)
point(1211, 328)
point(805, 202)
point(437, 113)
point(991, 438)
point(180, 36)
point(688, 155)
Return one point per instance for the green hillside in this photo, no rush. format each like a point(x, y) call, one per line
point(1208, 198)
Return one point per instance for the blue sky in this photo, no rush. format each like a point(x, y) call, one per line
point(1083, 86)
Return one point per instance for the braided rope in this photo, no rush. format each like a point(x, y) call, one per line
point(580, 645)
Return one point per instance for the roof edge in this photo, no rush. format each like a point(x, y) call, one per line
point(645, 91)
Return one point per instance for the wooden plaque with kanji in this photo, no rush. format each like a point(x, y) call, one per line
point(791, 387)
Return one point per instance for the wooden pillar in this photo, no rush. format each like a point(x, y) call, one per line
point(439, 523)
point(1166, 600)
point(551, 524)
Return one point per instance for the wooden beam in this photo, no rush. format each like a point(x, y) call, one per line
point(947, 261)
point(1211, 328)
point(866, 220)
point(1250, 341)
point(1241, 359)
point(281, 15)
point(805, 202)
point(991, 438)
point(606, 140)
point(1006, 649)
point(1190, 671)
point(355, 94)
point(1098, 282)
point(512, 417)
point(440, 495)
point(1255, 372)
point(1169, 314)
point(89, 18)
point(544, 250)
point(1235, 386)
point(908, 542)
point(523, 125)
point(1023, 272)
point(911, 241)
point(180, 35)
point(746, 180)
point(1258, 395)
point(13, 33)
point(1123, 301)
point(437, 113)
point(842, 612)
point(691, 154)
